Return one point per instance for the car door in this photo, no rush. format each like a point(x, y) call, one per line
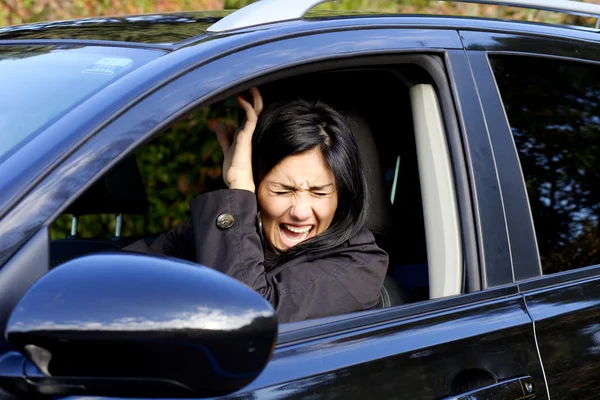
point(476, 344)
point(543, 107)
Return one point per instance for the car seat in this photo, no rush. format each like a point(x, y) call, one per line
point(120, 191)
point(380, 220)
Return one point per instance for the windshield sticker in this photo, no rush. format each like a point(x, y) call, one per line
point(107, 66)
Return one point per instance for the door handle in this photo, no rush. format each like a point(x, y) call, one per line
point(511, 389)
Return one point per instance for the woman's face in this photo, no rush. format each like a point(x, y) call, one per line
point(297, 199)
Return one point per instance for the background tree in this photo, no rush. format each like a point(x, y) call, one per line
point(14, 12)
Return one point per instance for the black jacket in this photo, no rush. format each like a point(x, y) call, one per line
point(315, 284)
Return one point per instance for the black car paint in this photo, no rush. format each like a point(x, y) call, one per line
point(90, 330)
point(494, 255)
point(523, 247)
point(419, 357)
point(564, 306)
point(19, 273)
point(567, 323)
point(550, 308)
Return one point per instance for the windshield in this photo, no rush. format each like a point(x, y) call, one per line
point(40, 84)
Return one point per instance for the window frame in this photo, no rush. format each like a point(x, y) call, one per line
point(524, 249)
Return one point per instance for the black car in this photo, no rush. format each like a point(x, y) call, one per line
point(481, 141)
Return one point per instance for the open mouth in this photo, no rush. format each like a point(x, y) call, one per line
point(292, 235)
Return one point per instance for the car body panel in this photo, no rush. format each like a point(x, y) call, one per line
point(523, 246)
point(17, 275)
point(494, 253)
point(416, 358)
point(567, 326)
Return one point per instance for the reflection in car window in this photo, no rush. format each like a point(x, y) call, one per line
point(39, 84)
point(553, 108)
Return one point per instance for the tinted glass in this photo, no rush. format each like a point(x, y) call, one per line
point(40, 84)
point(553, 108)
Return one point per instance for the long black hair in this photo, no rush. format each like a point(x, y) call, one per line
point(292, 127)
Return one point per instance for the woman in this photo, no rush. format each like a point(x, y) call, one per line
point(291, 224)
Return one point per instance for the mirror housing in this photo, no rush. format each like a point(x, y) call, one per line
point(135, 325)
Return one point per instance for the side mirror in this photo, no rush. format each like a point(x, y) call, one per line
point(133, 325)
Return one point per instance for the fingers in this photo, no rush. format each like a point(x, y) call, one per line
point(251, 115)
point(223, 137)
point(257, 100)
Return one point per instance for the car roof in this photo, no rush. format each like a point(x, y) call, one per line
point(169, 31)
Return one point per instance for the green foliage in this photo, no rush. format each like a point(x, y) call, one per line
point(177, 165)
point(17, 11)
point(235, 4)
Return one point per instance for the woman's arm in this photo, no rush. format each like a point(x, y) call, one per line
point(177, 242)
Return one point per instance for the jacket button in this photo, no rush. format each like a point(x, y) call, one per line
point(225, 221)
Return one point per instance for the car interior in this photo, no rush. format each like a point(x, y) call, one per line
point(382, 105)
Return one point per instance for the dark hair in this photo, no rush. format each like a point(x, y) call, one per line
point(292, 127)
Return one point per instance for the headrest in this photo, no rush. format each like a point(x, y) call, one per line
point(120, 190)
point(380, 210)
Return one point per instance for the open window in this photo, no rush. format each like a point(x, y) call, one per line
point(399, 124)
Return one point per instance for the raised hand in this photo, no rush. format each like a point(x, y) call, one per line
point(237, 148)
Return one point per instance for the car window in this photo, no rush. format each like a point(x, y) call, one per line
point(150, 192)
point(152, 189)
point(38, 85)
point(553, 108)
